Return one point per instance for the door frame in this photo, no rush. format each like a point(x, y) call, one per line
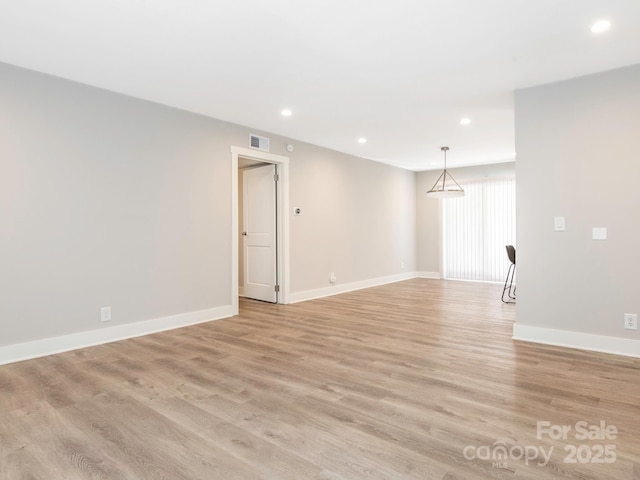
point(282, 227)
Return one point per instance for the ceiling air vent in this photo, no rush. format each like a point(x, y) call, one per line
point(258, 142)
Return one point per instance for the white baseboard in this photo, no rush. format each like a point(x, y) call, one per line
point(74, 341)
point(336, 289)
point(582, 341)
point(435, 275)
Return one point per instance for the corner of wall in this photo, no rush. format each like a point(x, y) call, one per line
point(349, 287)
point(581, 341)
point(50, 346)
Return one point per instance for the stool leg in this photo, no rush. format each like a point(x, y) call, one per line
point(510, 272)
point(513, 274)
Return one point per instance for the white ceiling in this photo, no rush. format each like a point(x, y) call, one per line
point(399, 72)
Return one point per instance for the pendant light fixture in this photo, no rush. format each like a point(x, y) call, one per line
point(446, 186)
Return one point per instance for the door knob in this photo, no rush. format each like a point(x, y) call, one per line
point(244, 234)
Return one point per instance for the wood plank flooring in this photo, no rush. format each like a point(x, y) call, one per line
point(414, 380)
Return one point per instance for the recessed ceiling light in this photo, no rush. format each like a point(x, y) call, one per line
point(601, 26)
point(286, 112)
point(362, 140)
point(465, 121)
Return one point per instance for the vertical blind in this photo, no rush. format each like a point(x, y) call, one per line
point(476, 229)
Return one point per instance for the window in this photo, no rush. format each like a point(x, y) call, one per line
point(476, 229)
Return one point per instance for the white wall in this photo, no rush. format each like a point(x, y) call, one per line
point(578, 146)
point(110, 200)
point(357, 219)
point(106, 200)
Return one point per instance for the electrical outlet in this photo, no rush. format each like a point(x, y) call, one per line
point(105, 314)
point(332, 278)
point(630, 321)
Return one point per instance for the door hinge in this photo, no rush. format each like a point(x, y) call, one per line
point(277, 288)
point(276, 178)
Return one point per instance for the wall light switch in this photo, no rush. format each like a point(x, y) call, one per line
point(558, 223)
point(599, 233)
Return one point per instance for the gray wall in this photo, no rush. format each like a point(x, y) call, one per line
point(578, 145)
point(110, 200)
point(357, 220)
point(429, 231)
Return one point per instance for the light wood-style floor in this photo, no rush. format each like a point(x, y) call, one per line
point(393, 382)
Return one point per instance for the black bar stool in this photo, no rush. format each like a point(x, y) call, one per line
point(509, 288)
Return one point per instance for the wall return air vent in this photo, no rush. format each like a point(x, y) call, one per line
point(258, 142)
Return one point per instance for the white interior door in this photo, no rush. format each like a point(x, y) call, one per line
point(259, 233)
